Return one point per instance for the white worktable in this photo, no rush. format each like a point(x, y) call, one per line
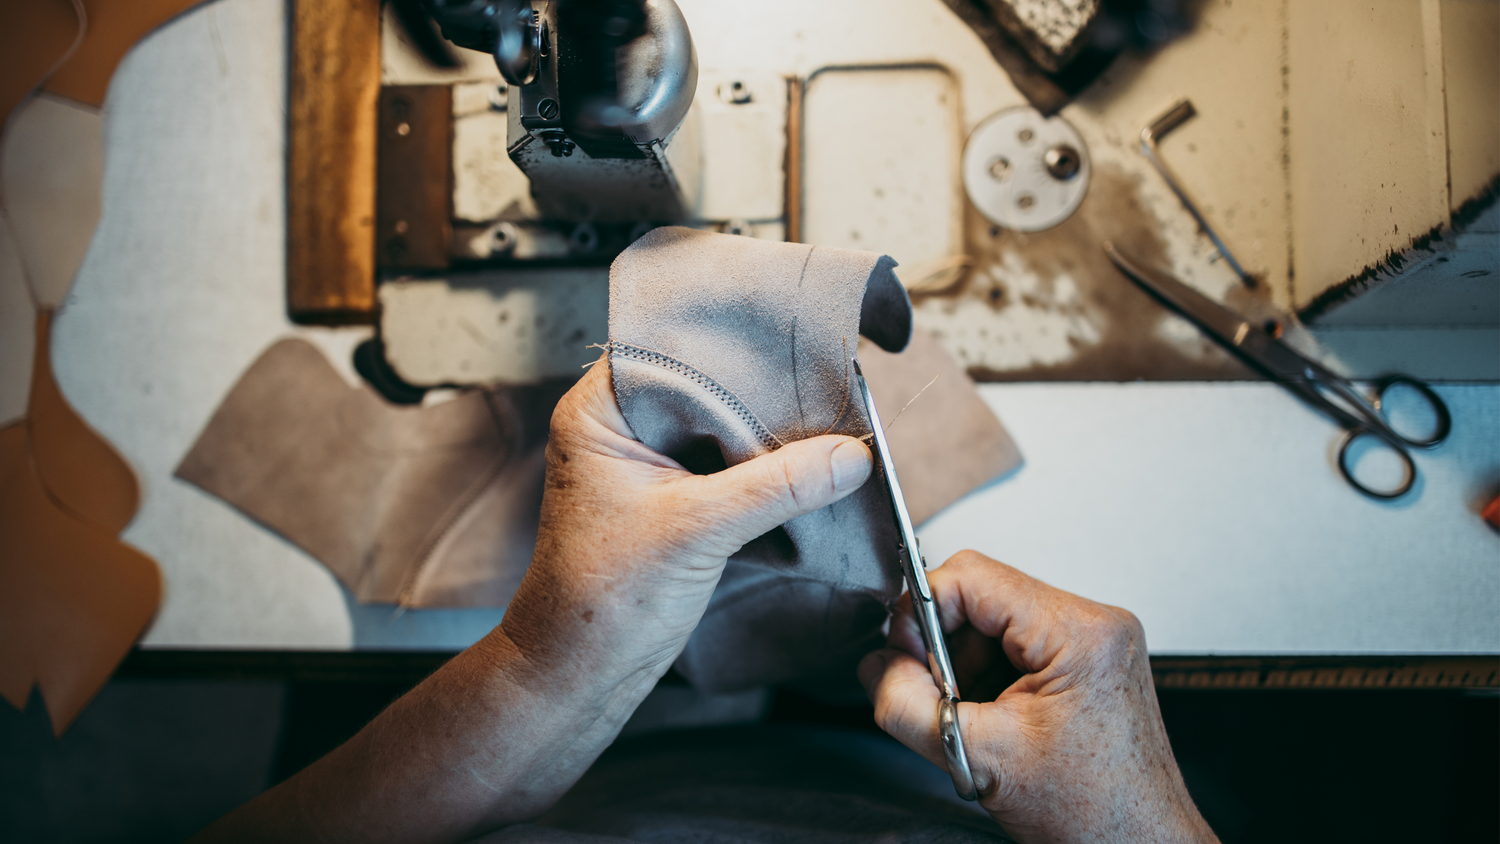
point(1211, 510)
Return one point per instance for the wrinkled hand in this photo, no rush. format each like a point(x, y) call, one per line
point(631, 544)
point(1071, 750)
point(629, 550)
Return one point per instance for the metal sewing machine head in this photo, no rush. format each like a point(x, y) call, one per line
point(599, 91)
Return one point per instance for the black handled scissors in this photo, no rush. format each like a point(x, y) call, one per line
point(915, 569)
point(1307, 379)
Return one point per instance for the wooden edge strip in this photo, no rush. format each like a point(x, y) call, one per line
point(1417, 672)
point(334, 87)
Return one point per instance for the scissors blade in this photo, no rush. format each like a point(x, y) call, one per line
point(1308, 379)
point(910, 554)
point(931, 626)
point(1212, 317)
point(1232, 330)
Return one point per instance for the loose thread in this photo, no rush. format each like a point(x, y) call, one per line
point(913, 398)
point(603, 347)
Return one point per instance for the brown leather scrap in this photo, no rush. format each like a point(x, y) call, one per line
point(73, 598)
point(945, 441)
point(79, 469)
point(33, 36)
point(114, 26)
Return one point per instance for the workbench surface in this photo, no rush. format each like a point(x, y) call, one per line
point(1213, 511)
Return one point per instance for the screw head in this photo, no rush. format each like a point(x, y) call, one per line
point(1063, 162)
point(1025, 136)
point(1025, 201)
point(1000, 168)
point(502, 238)
point(547, 108)
point(584, 238)
point(735, 93)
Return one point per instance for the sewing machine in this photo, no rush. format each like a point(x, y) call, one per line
point(598, 92)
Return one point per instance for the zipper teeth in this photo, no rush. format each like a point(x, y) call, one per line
point(508, 434)
point(714, 388)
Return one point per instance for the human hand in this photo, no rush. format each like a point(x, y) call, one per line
point(629, 550)
point(631, 544)
point(1074, 749)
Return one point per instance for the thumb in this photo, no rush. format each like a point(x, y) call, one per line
point(753, 497)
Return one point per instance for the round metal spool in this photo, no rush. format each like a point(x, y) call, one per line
point(1026, 172)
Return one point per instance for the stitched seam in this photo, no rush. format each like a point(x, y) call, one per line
point(714, 388)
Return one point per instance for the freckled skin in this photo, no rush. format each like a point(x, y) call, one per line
point(1074, 749)
point(628, 552)
point(629, 549)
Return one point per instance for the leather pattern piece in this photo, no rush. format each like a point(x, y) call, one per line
point(80, 469)
point(945, 441)
point(722, 349)
point(33, 37)
point(421, 506)
point(114, 27)
point(52, 175)
point(73, 598)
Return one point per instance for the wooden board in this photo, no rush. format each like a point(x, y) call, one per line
point(330, 175)
point(413, 202)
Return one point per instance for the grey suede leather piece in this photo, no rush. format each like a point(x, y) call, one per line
point(724, 348)
point(422, 506)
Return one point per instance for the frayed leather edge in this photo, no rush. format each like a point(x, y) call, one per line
point(714, 388)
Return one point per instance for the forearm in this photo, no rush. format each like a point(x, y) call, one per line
point(491, 738)
point(629, 550)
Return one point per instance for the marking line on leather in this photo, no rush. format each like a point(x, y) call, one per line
point(714, 388)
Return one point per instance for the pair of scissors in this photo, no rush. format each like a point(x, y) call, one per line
point(1257, 345)
point(914, 567)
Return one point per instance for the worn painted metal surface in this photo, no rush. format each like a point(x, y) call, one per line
point(513, 326)
point(1046, 305)
point(880, 162)
point(184, 285)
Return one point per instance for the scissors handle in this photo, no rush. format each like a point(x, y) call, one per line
point(953, 749)
point(1382, 430)
point(1379, 427)
point(942, 674)
point(1439, 409)
point(1398, 447)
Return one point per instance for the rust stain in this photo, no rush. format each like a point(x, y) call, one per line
point(1129, 345)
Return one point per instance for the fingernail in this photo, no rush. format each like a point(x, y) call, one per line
point(851, 465)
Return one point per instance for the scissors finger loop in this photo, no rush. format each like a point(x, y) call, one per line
point(953, 750)
point(1444, 420)
point(1382, 494)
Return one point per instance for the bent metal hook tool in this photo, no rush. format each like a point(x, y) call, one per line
point(915, 569)
point(1175, 116)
